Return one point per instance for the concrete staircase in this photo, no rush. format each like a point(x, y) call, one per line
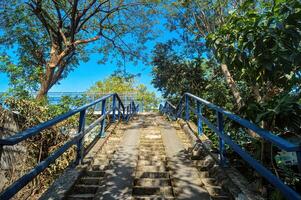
point(148, 160)
point(209, 172)
point(152, 178)
point(212, 176)
point(87, 185)
point(92, 178)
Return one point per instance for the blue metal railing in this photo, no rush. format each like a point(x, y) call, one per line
point(184, 105)
point(124, 113)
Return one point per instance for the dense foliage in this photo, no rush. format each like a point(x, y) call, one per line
point(261, 45)
point(250, 65)
point(51, 37)
point(174, 75)
point(30, 113)
point(243, 55)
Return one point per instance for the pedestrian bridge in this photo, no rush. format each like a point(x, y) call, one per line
point(151, 155)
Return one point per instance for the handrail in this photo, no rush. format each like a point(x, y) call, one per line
point(123, 113)
point(15, 139)
point(176, 112)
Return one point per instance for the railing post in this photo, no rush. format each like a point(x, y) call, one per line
point(123, 111)
point(81, 129)
point(114, 107)
point(187, 108)
point(199, 113)
point(142, 106)
point(119, 111)
point(133, 108)
point(103, 121)
point(127, 113)
point(220, 125)
point(178, 113)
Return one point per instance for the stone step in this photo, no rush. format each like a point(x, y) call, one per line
point(152, 148)
point(109, 151)
point(102, 157)
point(152, 142)
point(150, 168)
point(152, 157)
point(152, 197)
point(147, 152)
point(110, 147)
point(143, 174)
point(152, 162)
point(204, 174)
point(90, 180)
point(151, 135)
point(152, 145)
point(113, 140)
point(94, 173)
point(151, 131)
point(149, 182)
point(145, 139)
point(214, 190)
point(209, 181)
point(142, 191)
point(112, 143)
point(80, 196)
point(100, 165)
point(180, 183)
point(154, 153)
point(84, 189)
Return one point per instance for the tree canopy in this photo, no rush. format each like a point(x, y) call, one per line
point(51, 37)
point(244, 55)
point(126, 85)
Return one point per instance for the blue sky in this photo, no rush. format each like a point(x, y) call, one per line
point(88, 73)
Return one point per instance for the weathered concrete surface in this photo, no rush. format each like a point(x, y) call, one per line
point(185, 179)
point(187, 184)
point(61, 186)
point(11, 157)
point(233, 180)
point(120, 177)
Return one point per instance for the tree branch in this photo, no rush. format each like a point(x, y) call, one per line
point(61, 69)
point(73, 24)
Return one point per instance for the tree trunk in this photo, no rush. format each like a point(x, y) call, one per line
point(52, 75)
point(42, 92)
point(236, 94)
point(47, 81)
point(231, 83)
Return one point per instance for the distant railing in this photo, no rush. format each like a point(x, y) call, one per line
point(184, 105)
point(118, 110)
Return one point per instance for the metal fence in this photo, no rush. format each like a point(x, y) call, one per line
point(55, 97)
point(191, 104)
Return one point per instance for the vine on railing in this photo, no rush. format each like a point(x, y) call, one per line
point(176, 112)
point(117, 109)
